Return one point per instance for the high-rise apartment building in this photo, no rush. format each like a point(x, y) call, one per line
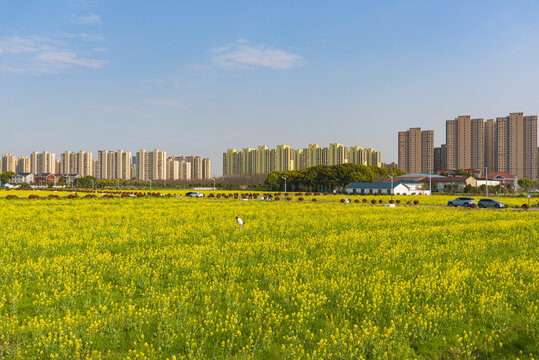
point(41, 163)
point(66, 167)
point(373, 157)
point(336, 154)
point(83, 163)
point(80, 163)
point(356, 155)
point(178, 169)
point(206, 169)
point(102, 170)
point(465, 143)
point(263, 160)
point(23, 165)
point(506, 144)
point(113, 165)
point(9, 163)
point(283, 158)
point(190, 168)
point(489, 138)
point(416, 151)
point(151, 165)
point(515, 145)
point(440, 158)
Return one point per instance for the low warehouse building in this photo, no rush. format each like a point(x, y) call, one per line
point(403, 187)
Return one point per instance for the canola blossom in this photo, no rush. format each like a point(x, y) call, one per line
point(169, 278)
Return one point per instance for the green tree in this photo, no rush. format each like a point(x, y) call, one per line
point(86, 182)
point(525, 183)
point(5, 176)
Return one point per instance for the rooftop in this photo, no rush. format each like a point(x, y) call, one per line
point(380, 185)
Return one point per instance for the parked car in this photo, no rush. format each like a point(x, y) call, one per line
point(194, 194)
point(461, 201)
point(485, 203)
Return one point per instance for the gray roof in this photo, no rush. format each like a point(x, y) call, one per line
point(433, 176)
point(380, 185)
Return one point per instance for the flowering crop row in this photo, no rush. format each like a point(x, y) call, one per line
point(176, 278)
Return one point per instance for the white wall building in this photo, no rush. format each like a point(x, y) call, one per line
point(403, 187)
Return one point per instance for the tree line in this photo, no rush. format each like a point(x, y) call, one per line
point(327, 177)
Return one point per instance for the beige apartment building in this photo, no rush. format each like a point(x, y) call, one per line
point(151, 165)
point(9, 163)
point(178, 170)
point(23, 165)
point(465, 143)
point(81, 163)
point(515, 145)
point(41, 163)
point(416, 151)
point(505, 144)
point(113, 165)
point(199, 167)
point(263, 160)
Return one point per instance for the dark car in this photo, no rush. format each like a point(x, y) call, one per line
point(485, 203)
point(461, 201)
point(194, 194)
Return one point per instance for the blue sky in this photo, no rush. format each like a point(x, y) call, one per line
point(200, 77)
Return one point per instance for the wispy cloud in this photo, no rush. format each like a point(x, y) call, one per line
point(65, 59)
point(87, 19)
point(84, 36)
point(174, 83)
point(43, 55)
point(171, 103)
point(122, 110)
point(241, 55)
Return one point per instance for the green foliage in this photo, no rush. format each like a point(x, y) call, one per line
point(324, 177)
point(525, 183)
point(5, 176)
point(86, 182)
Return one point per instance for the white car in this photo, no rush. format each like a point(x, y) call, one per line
point(194, 194)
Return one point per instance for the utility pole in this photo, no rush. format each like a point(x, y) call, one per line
point(214, 188)
point(486, 181)
point(391, 176)
point(284, 177)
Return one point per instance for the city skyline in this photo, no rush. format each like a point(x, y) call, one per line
point(98, 75)
point(263, 160)
point(111, 165)
point(502, 144)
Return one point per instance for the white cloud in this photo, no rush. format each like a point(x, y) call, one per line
point(243, 56)
point(65, 59)
point(90, 18)
point(172, 103)
point(122, 110)
point(42, 55)
point(174, 83)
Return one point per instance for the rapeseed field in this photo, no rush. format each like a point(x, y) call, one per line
point(169, 278)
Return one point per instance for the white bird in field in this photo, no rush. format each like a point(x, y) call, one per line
point(240, 221)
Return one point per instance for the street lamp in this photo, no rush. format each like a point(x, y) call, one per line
point(150, 186)
point(391, 176)
point(213, 178)
point(118, 184)
point(284, 177)
point(486, 180)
